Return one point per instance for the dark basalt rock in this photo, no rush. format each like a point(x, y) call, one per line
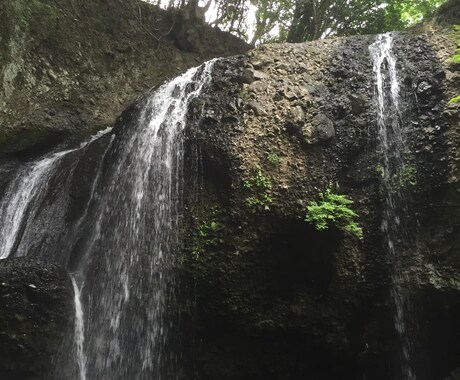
point(36, 309)
point(275, 298)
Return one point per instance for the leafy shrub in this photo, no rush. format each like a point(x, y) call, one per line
point(333, 209)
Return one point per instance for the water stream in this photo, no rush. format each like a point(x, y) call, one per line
point(24, 189)
point(135, 252)
point(127, 265)
point(118, 240)
point(392, 145)
point(24, 193)
point(79, 332)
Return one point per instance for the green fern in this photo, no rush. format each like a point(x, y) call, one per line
point(333, 209)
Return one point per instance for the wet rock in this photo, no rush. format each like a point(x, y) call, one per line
point(36, 309)
point(257, 86)
point(289, 93)
point(357, 103)
point(424, 87)
point(248, 75)
point(309, 134)
point(52, 71)
point(259, 75)
point(297, 114)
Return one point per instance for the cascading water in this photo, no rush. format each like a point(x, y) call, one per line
point(26, 189)
point(79, 333)
point(118, 240)
point(22, 191)
point(128, 268)
point(394, 224)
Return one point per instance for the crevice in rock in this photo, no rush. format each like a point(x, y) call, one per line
point(298, 256)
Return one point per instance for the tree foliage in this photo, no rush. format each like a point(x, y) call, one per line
point(304, 20)
point(401, 14)
point(313, 19)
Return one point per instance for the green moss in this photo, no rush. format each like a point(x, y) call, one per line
point(406, 177)
point(456, 29)
point(380, 171)
point(43, 21)
point(455, 58)
point(454, 100)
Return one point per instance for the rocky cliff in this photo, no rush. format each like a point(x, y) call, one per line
point(68, 68)
point(276, 298)
point(264, 294)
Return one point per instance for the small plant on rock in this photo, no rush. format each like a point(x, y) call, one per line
point(333, 209)
point(407, 176)
point(273, 158)
point(455, 99)
point(261, 186)
point(456, 59)
point(208, 232)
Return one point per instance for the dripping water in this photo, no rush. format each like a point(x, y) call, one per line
point(79, 330)
point(392, 145)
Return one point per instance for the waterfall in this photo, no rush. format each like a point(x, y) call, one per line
point(128, 266)
point(79, 334)
point(22, 198)
point(392, 145)
point(119, 234)
point(22, 191)
point(26, 189)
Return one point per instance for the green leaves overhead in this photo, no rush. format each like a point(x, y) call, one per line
point(302, 20)
point(401, 14)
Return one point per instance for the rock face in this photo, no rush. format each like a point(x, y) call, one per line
point(69, 68)
point(264, 295)
point(36, 308)
point(277, 299)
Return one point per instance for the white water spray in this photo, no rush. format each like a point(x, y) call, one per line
point(392, 145)
point(129, 267)
point(28, 185)
point(22, 191)
point(79, 331)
